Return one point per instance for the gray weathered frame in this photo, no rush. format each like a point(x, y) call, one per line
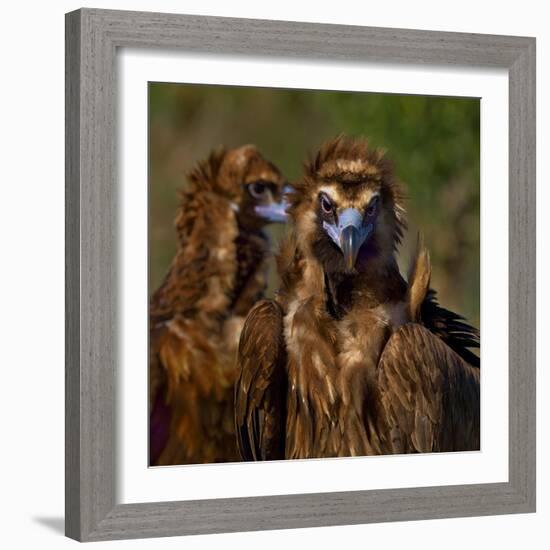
point(92, 39)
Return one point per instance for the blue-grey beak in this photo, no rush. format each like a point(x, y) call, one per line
point(349, 234)
point(275, 212)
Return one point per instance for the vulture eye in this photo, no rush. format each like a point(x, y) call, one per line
point(326, 205)
point(372, 207)
point(258, 189)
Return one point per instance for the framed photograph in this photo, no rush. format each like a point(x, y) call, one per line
point(300, 275)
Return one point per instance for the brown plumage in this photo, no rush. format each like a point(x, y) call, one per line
point(351, 359)
point(196, 315)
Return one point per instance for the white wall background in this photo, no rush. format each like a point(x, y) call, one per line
point(32, 260)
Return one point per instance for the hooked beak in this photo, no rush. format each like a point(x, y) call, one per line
point(349, 234)
point(275, 212)
point(350, 245)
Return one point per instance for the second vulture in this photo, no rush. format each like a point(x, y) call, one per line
point(350, 358)
point(218, 273)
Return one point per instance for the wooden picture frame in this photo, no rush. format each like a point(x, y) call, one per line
point(92, 39)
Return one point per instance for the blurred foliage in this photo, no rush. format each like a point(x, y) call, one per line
point(433, 142)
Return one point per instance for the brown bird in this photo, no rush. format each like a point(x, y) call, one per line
point(350, 359)
point(196, 316)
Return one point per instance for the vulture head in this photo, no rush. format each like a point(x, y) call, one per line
point(347, 208)
point(253, 186)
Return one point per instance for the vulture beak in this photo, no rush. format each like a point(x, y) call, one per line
point(275, 212)
point(349, 234)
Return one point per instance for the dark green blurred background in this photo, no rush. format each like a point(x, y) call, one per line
point(433, 141)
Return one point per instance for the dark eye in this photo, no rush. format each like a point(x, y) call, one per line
point(257, 189)
point(372, 207)
point(326, 205)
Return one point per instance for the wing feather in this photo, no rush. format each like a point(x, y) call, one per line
point(451, 328)
point(260, 391)
point(428, 393)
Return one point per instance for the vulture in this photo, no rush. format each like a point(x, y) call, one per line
point(351, 359)
point(196, 315)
